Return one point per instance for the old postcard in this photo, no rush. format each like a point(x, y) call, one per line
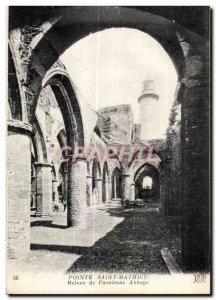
point(108, 150)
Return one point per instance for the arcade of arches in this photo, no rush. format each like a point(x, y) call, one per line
point(47, 113)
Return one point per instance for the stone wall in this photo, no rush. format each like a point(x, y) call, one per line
point(172, 187)
point(116, 123)
point(137, 128)
point(19, 189)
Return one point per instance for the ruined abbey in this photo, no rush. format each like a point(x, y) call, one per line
point(64, 155)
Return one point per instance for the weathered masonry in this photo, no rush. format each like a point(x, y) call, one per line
point(39, 85)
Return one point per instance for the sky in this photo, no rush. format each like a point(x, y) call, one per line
point(109, 68)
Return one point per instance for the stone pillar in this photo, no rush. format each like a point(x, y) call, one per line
point(125, 187)
point(33, 191)
point(132, 192)
point(89, 190)
point(55, 191)
point(109, 190)
point(44, 189)
point(106, 191)
point(65, 185)
point(99, 189)
point(76, 200)
point(195, 159)
point(18, 189)
point(114, 187)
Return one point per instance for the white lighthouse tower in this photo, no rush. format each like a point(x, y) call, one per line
point(148, 111)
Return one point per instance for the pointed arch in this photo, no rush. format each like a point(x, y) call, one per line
point(105, 175)
point(116, 183)
point(14, 97)
point(153, 190)
point(65, 95)
point(39, 142)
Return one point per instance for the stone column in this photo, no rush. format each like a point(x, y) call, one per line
point(89, 190)
point(55, 191)
point(33, 191)
point(132, 192)
point(18, 189)
point(99, 189)
point(125, 187)
point(109, 190)
point(195, 158)
point(108, 197)
point(44, 189)
point(65, 185)
point(114, 187)
point(76, 200)
point(106, 191)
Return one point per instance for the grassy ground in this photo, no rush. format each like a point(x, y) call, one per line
point(116, 240)
point(133, 245)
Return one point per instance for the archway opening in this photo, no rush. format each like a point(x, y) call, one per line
point(96, 181)
point(33, 185)
point(105, 183)
point(147, 183)
point(116, 184)
point(48, 145)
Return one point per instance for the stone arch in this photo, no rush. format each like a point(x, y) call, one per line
point(116, 183)
point(109, 17)
point(61, 137)
point(105, 178)
point(59, 128)
point(106, 168)
point(139, 170)
point(14, 97)
point(64, 150)
point(96, 182)
point(69, 106)
point(141, 192)
point(96, 173)
point(47, 46)
point(149, 152)
point(39, 142)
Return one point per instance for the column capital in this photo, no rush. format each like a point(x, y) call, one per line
point(125, 175)
point(41, 164)
point(20, 127)
point(89, 176)
point(54, 180)
point(79, 158)
point(99, 179)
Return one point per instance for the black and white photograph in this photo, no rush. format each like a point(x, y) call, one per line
point(108, 160)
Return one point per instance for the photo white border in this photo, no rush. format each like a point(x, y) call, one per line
point(3, 97)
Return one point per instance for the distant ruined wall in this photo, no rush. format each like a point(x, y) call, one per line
point(137, 129)
point(116, 123)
